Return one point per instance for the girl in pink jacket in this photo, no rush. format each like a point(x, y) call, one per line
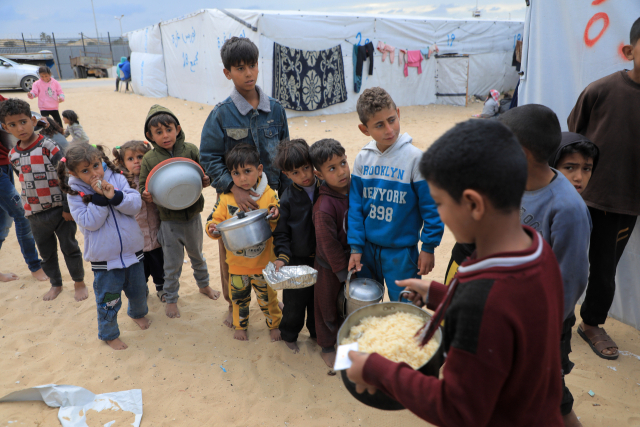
point(49, 94)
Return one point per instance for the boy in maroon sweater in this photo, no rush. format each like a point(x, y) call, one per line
point(503, 310)
point(332, 251)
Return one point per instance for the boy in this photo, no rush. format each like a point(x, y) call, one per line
point(502, 313)
point(34, 159)
point(607, 113)
point(246, 266)
point(249, 116)
point(552, 206)
point(296, 210)
point(390, 207)
point(179, 230)
point(332, 250)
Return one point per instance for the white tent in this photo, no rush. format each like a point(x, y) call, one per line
point(191, 51)
point(567, 45)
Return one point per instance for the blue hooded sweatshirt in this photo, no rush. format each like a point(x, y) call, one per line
point(389, 201)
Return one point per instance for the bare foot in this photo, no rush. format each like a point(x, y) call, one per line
point(117, 344)
point(8, 277)
point(39, 275)
point(280, 305)
point(81, 291)
point(208, 291)
point(329, 358)
point(571, 420)
point(143, 322)
point(171, 310)
point(293, 346)
point(53, 293)
point(228, 321)
point(240, 335)
point(274, 334)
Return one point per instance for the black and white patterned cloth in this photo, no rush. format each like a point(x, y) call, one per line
point(308, 80)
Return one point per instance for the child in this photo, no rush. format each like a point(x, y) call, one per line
point(390, 207)
point(34, 159)
point(245, 267)
point(179, 230)
point(607, 113)
point(491, 106)
point(49, 94)
point(73, 127)
point(553, 207)
point(503, 312)
point(129, 157)
point(294, 238)
point(103, 204)
point(332, 250)
point(55, 132)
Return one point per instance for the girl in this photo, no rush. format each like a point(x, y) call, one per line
point(49, 94)
point(129, 156)
point(491, 105)
point(55, 132)
point(103, 204)
point(71, 119)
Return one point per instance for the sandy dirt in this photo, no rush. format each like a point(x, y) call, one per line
point(178, 362)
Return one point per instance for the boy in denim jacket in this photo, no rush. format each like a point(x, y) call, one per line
point(248, 116)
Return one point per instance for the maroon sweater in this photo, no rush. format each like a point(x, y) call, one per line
point(501, 336)
point(330, 220)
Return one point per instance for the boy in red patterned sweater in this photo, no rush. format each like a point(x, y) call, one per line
point(34, 159)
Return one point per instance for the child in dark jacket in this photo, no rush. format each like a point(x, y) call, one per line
point(295, 237)
point(332, 250)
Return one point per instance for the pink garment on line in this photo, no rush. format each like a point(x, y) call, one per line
point(386, 49)
point(414, 59)
point(47, 94)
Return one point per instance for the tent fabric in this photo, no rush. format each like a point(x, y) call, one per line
point(567, 45)
point(148, 76)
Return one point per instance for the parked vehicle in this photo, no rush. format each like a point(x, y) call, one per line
point(14, 75)
point(84, 66)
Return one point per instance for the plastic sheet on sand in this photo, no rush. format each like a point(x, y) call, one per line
point(78, 404)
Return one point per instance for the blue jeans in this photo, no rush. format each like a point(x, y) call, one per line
point(388, 265)
point(11, 210)
point(108, 286)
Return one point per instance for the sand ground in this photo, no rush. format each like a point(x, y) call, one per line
point(177, 363)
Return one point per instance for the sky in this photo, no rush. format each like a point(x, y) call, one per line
point(70, 17)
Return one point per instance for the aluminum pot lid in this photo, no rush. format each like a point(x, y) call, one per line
point(242, 219)
point(365, 290)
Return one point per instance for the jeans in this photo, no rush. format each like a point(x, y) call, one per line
point(108, 286)
point(11, 210)
point(388, 265)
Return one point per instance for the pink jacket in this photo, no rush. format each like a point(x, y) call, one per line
point(149, 221)
point(414, 59)
point(47, 94)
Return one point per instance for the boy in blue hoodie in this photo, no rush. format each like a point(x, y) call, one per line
point(389, 202)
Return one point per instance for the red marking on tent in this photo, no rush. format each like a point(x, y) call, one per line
point(592, 41)
point(597, 2)
point(621, 53)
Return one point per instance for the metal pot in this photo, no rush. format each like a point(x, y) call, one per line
point(379, 399)
point(246, 230)
point(359, 293)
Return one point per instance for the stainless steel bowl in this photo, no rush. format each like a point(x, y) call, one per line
point(379, 399)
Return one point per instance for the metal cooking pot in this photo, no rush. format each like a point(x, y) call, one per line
point(246, 230)
point(379, 399)
point(359, 293)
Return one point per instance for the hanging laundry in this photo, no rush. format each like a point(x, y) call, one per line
point(386, 49)
point(308, 80)
point(425, 52)
point(360, 54)
point(414, 59)
point(402, 56)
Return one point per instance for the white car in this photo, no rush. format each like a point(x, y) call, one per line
point(14, 75)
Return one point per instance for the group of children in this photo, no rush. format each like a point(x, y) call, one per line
point(508, 189)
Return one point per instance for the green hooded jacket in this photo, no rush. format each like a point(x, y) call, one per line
point(159, 154)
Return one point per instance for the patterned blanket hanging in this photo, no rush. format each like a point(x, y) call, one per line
point(308, 80)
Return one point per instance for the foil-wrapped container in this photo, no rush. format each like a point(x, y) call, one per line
point(290, 277)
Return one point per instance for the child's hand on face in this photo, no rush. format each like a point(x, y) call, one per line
point(108, 190)
point(146, 196)
point(275, 212)
point(213, 229)
point(97, 187)
point(279, 264)
point(206, 181)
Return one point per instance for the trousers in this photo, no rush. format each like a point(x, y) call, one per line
point(567, 365)
point(11, 211)
point(176, 237)
point(360, 54)
point(53, 113)
point(154, 266)
point(297, 303)
point(609, 237)
point(46, 226)
point(240, 292)
point(386, 265)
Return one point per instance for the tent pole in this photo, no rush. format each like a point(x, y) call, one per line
point(57, 57)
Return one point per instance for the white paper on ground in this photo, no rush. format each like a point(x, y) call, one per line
point(342, 357)
point(74, 401)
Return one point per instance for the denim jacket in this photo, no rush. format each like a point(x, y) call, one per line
point(234, 121)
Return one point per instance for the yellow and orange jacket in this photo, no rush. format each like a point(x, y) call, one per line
point(252, 260)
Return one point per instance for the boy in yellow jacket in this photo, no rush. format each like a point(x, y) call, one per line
point(245, 266)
